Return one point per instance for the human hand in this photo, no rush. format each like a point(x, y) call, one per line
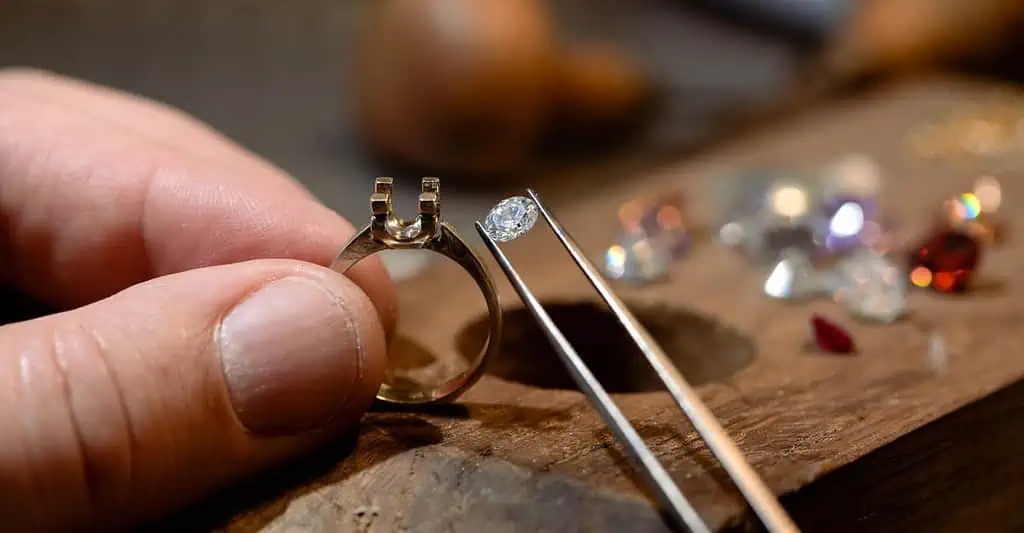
point(204, 343)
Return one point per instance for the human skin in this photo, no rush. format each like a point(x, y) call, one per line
point(202, 339)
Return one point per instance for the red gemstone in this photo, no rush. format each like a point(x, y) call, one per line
point(946, 261)
point(829, 337)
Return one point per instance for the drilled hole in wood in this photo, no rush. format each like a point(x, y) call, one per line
point(702, 348)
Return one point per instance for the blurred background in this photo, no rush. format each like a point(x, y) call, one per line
point(491, 95)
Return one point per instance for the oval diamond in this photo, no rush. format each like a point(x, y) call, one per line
point(511, 218)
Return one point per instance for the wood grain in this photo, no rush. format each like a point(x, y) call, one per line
point(858, 443)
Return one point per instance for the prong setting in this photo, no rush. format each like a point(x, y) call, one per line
point(391, 229)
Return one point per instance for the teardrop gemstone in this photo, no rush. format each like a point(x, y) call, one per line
point(829, 337)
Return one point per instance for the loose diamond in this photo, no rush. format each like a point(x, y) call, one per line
point(871, 286)
point(793, 277)
point(511, 218)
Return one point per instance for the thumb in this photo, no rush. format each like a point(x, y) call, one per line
point(122, 409)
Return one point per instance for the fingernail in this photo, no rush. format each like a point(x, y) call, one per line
point(290, 353)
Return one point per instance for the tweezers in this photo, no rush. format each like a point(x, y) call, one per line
point(758, 496)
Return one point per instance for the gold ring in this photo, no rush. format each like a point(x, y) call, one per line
point(427, 232)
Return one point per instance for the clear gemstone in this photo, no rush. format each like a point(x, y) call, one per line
point(766, 212)
point(637, 259)
point(871, 286)
point(511, 218)
point(793, 277)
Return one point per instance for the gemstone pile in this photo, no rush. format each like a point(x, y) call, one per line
point(826, 235)
point(817, 234)
point(799, 223)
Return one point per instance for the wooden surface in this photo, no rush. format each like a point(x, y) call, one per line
point(858, 443)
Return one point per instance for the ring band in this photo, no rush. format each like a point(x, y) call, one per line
point(427, 232)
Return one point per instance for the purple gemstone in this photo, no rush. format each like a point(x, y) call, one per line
point(847, 221)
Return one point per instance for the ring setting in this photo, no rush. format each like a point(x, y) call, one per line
point(428, 231)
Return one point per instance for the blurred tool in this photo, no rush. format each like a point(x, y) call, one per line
point(887, 37)
point(471, 86)
point(865, 40)
point(815, 20)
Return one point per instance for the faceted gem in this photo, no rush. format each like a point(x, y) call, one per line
point(848, 222)
point(739, 196)
point(765, 213)
point(829, 337)
point(793, 277)
point(871, 286)
point(511, 218)
point(946, 261)
point(638, 259)
point(664, 220)
point(660, 219)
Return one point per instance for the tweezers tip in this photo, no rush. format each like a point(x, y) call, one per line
point(483, 233)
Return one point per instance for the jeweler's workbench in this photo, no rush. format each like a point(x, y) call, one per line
point(881, 440)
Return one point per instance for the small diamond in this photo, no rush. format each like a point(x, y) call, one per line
point(793, 277)
point(871, 286)
point(511, 218)
point(638, 259)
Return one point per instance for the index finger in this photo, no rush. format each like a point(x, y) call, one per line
point(89, 206)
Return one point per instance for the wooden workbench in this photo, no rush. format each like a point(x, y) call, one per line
point(877, 441)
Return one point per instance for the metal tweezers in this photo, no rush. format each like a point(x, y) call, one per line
point(753, 488)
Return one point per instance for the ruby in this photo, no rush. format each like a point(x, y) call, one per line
point(946, 261)
point(829, 337)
